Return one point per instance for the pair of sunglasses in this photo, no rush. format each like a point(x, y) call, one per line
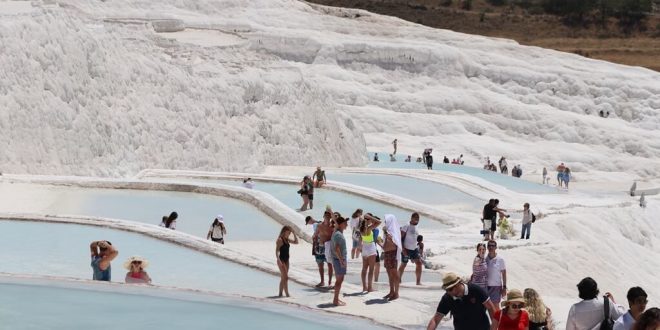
point(517, 306)
point(136, 262)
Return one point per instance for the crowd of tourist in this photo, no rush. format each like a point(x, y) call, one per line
point(473, 302)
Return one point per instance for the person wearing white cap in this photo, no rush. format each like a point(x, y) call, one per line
point(136, 274)
point(467, 303)
point(217, 231)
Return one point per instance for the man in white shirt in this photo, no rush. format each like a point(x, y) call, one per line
point(637, 300)
point(496, 278)
point(589, 313)
point(410, 250)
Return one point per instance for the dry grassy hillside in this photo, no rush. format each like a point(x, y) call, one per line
point(530, 26)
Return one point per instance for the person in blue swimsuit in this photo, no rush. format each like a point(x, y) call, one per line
point(102, 254)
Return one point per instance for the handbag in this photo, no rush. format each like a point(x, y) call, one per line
point(608, 323)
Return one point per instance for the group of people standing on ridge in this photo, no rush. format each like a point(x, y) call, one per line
point(395, 246)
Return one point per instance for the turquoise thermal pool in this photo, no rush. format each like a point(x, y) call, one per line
point(57, 305)
point(48, 249)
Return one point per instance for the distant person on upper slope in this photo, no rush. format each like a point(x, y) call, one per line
point(527, 220)
point(445, 160)
point(394, 144)
point(504, 169)
point(429, 161)
point(408, 159)
point(545, 175)
point(567, 176)
point(560, 173)
point(375, 157)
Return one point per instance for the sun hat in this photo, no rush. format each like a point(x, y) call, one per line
point(450, 280)
point(513, 295)
point(130, 260)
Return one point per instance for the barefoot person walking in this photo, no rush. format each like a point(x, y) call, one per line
point(339, 258)
point(282, 254)
point(323, 233)
point(369, 250)
point(410, 250)
point(391, 254)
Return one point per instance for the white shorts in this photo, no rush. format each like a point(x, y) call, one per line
point(328, 251)
point(487, 224)
point(368, 250)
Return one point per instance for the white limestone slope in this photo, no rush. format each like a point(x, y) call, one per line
point(80, 95)
point(90, 88)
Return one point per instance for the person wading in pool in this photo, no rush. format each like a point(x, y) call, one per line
point(102, 254)
point(324, 233)
point(282, 255)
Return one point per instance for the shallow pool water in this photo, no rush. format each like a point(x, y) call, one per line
point(81, 306)
point(507, 181)
point(63, 250)
point(196, 211)
point(423, 191)
point(341, 202)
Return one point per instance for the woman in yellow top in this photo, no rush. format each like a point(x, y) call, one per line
point(366, 228)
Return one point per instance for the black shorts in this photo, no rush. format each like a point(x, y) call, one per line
point(311, 197)
point(377, 256)
point(493, 224)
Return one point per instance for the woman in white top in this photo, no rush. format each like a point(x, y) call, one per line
point(170, 222)
point(366, 228)
point(218, 230)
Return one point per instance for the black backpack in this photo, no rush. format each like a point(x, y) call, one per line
point(533, 217)
point(608, 323)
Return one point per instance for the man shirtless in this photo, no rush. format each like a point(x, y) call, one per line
point(323, 233)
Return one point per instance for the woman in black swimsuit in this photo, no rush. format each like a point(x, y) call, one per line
point(282, 254)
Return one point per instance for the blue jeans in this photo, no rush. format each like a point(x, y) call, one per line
point(526, 229)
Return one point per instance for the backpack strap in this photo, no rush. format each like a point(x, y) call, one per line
point(607, 307)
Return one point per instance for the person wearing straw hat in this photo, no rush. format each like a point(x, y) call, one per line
point(136, 274)
point(218, 230)
point(467, 303)
point(512, 316)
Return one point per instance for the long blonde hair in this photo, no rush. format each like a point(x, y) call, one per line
point(535, 306)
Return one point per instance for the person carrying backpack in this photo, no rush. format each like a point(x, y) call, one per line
point(593, 312)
